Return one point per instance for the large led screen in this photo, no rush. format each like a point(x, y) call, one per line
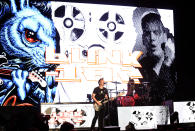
point(53, 52)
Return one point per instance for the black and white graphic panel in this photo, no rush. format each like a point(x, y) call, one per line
point(80, 115)
point(186, 111)
point(143, 117)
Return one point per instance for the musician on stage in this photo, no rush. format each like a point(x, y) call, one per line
point(131, 92)
point(130, 87)
point(99, 93)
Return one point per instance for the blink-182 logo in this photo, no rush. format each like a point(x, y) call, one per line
point(113, 64)
point(77, 117)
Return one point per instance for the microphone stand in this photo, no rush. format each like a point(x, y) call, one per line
point(108, 115)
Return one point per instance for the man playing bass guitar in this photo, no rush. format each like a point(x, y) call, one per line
point(99, 93)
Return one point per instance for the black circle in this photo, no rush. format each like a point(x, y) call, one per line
point(68, 25)
point(111, 23)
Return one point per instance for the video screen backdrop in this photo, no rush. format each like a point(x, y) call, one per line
point(54, 51)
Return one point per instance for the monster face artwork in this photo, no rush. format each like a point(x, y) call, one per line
point(23, 41)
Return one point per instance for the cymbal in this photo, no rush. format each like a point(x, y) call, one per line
point(111, 89)
point(116, 82)
point(121, 90)
point(114, 92)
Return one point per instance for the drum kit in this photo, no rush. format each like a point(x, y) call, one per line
point(141, 96)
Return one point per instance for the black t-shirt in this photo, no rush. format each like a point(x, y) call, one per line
point(100, 93)
point(162, 86)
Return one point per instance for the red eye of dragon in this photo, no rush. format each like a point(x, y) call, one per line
point(31, 36)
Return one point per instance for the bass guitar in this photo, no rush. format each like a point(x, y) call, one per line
point(33, 76)
point(104, 101)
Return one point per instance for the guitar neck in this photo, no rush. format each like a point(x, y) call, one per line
point(33, 76)
point(105, 101)
point(113, 98)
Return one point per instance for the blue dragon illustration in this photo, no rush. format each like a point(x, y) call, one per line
point(23, 41)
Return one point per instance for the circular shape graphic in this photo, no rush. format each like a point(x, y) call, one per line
point(68, 23)
point(111, 27)
point(73, 22)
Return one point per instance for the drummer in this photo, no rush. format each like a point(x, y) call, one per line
point(130, 87)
